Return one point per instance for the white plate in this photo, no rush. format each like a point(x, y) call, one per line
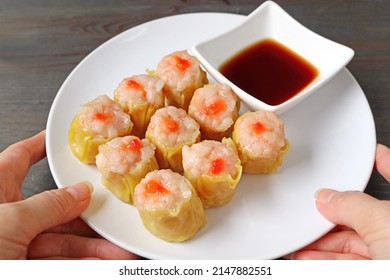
point(332, 136)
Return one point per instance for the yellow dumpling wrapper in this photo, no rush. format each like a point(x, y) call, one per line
point(169, 157)
point(176, 225)
point(122, 186)
point(140, 116)
point(84, 139)
point(182, 75)
point(217, 190)
point(262, 165)
point(83, 144)
point(265, 151)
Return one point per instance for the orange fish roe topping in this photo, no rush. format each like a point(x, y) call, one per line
point(217, 166)
point(181, 63)
point(215, 108)
point(133, 145)
point(133, 84)
point(258, 128)
point(103, 116)
point(154, 187)
point(170, 124)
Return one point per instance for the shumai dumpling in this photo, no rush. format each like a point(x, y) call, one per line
point(170, 129)
point(123, 162)
point(140, 96)
point(261, 141)
point(98, 121)
point(182, 75)
point(214, 169)
point(169, 206)
point(215, 107)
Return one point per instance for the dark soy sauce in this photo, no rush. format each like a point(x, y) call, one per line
point(269, 71)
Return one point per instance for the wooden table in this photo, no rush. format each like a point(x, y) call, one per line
point(41, 41)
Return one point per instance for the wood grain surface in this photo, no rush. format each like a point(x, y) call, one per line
point(41, 41)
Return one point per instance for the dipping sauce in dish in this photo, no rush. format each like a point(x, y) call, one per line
point(269, 71)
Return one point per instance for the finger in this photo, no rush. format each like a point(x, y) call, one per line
point(77, 227)
point(382, 161)
point(342, 242)
point(15, 161)
point(341, 228)
point(353, 209)
point(65, 258)
point(320, 255)
point(32, 150)
point(366, 215)
point(47, 245)
point(48, 209)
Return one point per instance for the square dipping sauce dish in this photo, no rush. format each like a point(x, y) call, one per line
point(270, 28)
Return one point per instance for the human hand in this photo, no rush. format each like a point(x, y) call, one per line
point(45, 226)
point(363, 230)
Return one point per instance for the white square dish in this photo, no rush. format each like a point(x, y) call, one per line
point(270, 21)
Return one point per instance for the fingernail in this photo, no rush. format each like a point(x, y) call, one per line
point(80, 191)
point(324, 195)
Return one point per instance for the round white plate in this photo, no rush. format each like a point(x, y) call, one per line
point(332, 136)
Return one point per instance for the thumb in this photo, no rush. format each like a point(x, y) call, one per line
point(368, 216)
point(382, 161)
point(50, 208)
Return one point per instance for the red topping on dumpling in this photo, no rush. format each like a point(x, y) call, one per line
point(170, 124)
point(258, 128)
point(133, 84)
point(103, 116)
point(154, 187)
point(133, 145)
point(181, 63)
point(217, 166)
point(215, 108)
